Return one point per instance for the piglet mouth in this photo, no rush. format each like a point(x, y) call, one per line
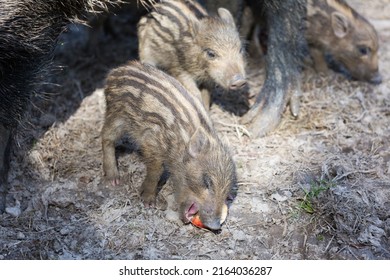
point(192, 216)
point(191, 212)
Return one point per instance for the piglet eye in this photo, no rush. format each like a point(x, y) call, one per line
point(207, 181)
point(364, 50)
point(210, 53)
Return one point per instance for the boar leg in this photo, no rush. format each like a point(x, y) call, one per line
point(282, 65)
point(5, 143)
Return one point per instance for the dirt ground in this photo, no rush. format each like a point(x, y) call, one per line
point(316, 188)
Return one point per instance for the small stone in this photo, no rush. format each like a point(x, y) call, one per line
point(64, 231)
point(14, 211)
point(239, 235)
point(334, 250)
point(278, 197)
point(20, 236)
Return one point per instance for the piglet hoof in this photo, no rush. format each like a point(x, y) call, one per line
point(113, 181)
point(149, 200)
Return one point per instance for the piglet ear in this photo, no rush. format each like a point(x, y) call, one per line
point(226, 16)
point(199, 142)
point(340, 24)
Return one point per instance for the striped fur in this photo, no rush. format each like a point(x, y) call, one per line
point(338, 31)
point(197, 49)
point(173, 131)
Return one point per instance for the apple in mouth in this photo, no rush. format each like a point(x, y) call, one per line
point(192, 215)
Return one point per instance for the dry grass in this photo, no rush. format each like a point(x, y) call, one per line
point(64, 209)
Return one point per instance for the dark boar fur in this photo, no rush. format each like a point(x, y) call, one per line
point(28, 32)
point(197, 49)
point(173, 132)
point(284, 24)
point(337, 34)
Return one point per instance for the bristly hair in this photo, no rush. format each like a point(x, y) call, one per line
point(29, 29)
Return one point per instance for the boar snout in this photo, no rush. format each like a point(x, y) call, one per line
point(376, 79)
point(237, 82)
point(210, 219)
point(214, 224)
